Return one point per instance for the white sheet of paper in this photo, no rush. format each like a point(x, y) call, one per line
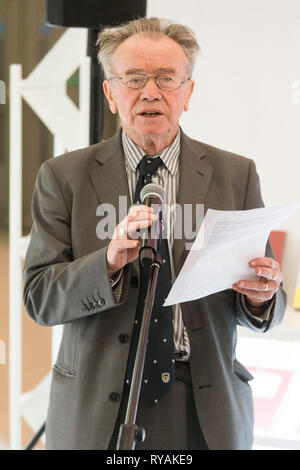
point(225, 243)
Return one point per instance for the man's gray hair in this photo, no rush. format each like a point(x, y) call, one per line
point(111, 37)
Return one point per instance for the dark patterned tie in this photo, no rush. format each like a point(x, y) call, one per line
point(159, 369)
point(147, 167)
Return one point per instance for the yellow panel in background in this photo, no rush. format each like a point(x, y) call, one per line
point(297, 299)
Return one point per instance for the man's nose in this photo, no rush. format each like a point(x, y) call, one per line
point(150, 90)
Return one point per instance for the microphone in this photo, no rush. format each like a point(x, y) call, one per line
point(152, 195)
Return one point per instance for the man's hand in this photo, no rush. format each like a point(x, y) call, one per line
point(124, 246)
point(258, 292)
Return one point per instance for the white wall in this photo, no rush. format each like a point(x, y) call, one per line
point(244, 100)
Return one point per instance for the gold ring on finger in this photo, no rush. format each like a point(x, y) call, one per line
point(122, 231)
point(266, 286)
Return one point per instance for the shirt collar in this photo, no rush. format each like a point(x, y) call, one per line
point(134, 153)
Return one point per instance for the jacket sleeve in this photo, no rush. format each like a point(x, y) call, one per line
point(57, 288)
point(274, 313)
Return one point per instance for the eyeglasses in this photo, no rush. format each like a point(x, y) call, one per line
point(138, 80)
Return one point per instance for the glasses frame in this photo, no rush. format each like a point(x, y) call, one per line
point(155, 77)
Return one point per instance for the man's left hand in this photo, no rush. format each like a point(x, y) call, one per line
point(259, 292)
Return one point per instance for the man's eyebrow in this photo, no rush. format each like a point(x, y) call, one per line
point(160, 70)
point(130, 71)
point(167, 70)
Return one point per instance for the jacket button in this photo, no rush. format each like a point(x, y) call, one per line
point(123, 338)
point(101, 302)
point(114, 396)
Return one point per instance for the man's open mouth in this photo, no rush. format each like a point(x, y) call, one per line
point(150, 113)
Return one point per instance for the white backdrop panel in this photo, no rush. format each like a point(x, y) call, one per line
point(246, 98)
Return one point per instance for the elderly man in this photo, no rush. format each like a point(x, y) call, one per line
point(195, 393)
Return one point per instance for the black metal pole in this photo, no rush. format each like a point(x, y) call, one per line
point(129, 432)
point(96, 91)
point(36, 438)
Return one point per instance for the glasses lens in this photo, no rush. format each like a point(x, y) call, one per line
point(168, 83)
point(134, 80)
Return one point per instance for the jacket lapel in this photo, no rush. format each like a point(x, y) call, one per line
point(194, 180)
point(109, 180)
point(108, 174)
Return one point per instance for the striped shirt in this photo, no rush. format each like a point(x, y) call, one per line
point(166, 176)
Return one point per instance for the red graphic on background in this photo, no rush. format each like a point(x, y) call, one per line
point(265, 409)
point(277, 240)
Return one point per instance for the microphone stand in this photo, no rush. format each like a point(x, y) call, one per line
point(129, 432)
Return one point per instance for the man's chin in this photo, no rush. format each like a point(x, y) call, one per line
point(158, 133)
point(151, 129)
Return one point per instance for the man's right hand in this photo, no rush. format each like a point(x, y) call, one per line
point(124, 245)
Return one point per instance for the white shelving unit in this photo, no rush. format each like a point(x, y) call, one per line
point(44, 90)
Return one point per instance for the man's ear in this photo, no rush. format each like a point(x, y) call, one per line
point(188, 95)
point(109, 93)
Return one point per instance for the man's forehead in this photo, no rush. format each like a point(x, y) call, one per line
point(147, 54)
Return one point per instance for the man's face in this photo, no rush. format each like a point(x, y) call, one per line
point(151, 57)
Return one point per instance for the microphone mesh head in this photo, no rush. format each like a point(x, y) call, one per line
point(153, 189)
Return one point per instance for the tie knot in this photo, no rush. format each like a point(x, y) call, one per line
point(148, 165)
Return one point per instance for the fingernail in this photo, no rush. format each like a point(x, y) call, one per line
point(252, 263)
point(241, 284)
